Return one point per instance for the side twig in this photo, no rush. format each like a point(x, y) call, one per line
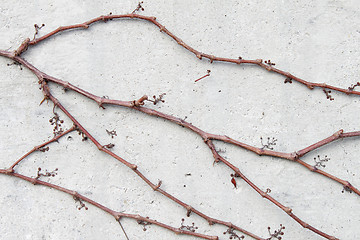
point(207, 137)
point(115, 214)
point(267, 65)
point(155, 187)
point(39, 147)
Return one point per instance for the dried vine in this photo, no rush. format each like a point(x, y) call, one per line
point(268, 65)
point(208, 138)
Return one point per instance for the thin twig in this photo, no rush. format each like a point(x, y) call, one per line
point(198, 54)
point(293, 156)
point(37, 148)
point(155, 187)
point(115, 214)
point(204, 135)
point(207, 137)
point(266, 195)
point(123, 230)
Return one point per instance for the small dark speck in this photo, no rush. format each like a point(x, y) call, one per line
point(219, 90)
point(184, 185)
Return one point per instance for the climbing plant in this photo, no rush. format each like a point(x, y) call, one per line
point(65, 122)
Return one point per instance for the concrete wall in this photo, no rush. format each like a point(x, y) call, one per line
point(125, 59)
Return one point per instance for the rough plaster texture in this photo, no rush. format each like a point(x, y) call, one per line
point(125, 59)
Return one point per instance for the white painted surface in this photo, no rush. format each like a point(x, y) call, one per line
point(125, 59)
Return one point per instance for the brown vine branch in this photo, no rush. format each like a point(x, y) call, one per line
point(268, 65)
point(266, 195)
point(134, 167)
point(117, 215)
point(204, 135)
point(130, 104)
point(294, 156)
point(40, 147)
point(208, 138)
point(216, 156)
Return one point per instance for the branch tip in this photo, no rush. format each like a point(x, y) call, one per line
point(138, 8)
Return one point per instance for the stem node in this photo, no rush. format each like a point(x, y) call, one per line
point(9, 171)
point(189, 210)
point(288, 210)
point(157, 186)
point(23, 47)
point(140, 101)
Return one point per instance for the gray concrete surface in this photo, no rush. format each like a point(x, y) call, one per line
point(315, 40)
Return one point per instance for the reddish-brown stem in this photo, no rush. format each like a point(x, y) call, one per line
point(133, 104)
point(198, 54)
point(345, 183)
point(115, 214)
point(266, 195)
point(155, 187)
point(206, 136)
point(339, 134)
point(54, 139)
point(137, 105)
